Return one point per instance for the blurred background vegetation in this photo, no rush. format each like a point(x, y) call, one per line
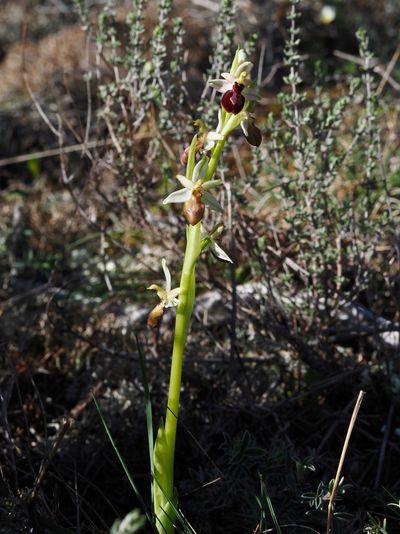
point(97, 102)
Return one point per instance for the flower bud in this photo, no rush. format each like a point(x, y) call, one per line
point(193, 209)
point(155, 315)
point(185, 156)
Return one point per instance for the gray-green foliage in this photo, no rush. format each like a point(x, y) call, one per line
point(138, 75)
point(327, 170)
point(145, 72)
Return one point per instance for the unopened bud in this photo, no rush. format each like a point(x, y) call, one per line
point(193, 209)
point(199, 144)
point(185, 156)
point(155, 315)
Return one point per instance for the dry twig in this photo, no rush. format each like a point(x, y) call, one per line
point(329, 523)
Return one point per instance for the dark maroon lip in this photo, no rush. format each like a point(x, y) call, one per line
point(238, 87)
point(232, 100)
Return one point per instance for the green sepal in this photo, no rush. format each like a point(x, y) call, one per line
point(235, 62)
point(204, 243)
point(192, 158)
point(234, 120)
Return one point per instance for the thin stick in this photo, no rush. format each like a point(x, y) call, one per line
point(388, 70)
point(51, 152)
point(65, 425)
point(329, 524)
point(384, 73)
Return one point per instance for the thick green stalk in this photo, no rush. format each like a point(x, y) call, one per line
point(184, 313)
point(212, 165)
point(165, 496)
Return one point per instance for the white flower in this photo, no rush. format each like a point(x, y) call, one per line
point(167, 296)
point(197, 187)
point(239, 74)
point(327, 14)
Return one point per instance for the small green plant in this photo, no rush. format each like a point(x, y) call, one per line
point(375, 526)
point(237, 102)
point(318, 500)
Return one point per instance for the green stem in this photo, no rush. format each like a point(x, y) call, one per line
point(184, 313)
point(212, 165)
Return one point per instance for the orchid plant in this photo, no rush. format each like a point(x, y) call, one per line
point(201, 158)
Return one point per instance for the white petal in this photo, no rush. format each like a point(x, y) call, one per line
point(174, 293)
point(208, 145)
point(230, 78)
point(182, 195)
point(214, 136)
point(220, 85)
point(241, 57)
point(200, 170)
point(167, 275)
point(188, 184)
point(211, 183)
point(171, 300)
point(221, 254)
point(171, 303)
point(209, 200)
point(246, 66)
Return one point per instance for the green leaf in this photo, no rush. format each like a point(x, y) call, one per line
point(123, 464)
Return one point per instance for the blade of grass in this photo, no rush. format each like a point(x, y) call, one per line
point(266, 497)
point(148, 411)
point(124, 466)
point(272, 512)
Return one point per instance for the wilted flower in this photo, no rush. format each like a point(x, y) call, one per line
point(209, 137)
point(205, 138)
point(195, 193)
point(168, 297)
